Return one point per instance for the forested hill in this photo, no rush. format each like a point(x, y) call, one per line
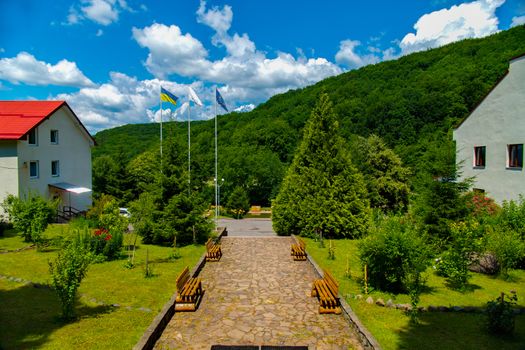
point(410, 102)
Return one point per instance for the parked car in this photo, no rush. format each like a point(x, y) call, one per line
point(125, 212)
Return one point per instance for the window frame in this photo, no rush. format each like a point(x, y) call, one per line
point(51, 133)
point(477, 164)
point(37, 169)
point(34, 132)
point(57, 168)
point(511, 164)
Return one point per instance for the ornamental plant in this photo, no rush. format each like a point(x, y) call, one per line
point(500, 314)
point(103, 243)
point(480, 205)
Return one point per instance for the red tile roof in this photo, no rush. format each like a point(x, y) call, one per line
point(17, 118)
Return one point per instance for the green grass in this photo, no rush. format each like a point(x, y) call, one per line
point(30, 316)
point(393, 329)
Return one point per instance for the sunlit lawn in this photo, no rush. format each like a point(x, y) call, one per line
point(30, 316)
point(436, 330)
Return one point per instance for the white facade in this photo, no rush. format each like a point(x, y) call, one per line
point(71, 154)
point(498, 125)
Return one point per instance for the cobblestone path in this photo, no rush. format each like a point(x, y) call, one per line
point(257, 295)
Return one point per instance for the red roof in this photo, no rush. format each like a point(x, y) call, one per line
point(17, 118)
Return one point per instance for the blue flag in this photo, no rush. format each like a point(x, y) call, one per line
point(220, 100)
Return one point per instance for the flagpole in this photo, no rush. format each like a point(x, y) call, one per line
point(160, 104)
point(216, 175)
point(189, 149)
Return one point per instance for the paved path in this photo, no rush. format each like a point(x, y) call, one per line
point(257, 295)
point(248, 227)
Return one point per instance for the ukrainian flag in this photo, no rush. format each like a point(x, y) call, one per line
point(167, 96)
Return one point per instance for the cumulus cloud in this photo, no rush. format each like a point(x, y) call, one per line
point(517, 21)
point(25, 68)
point(469, 20)
point(247, 72)
point(125, 99)
point(348, 56)
point(103, 12)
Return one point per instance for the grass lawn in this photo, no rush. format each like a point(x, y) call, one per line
point(30, 316)
point(392, 328)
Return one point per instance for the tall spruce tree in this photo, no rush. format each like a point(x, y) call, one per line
point(322, 192)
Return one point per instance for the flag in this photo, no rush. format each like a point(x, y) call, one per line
point(194, 97)
point(167, 96)
point(220, 100)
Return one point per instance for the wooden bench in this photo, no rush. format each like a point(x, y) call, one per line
point(189, 292)
point(213, 251)
point(299, 249)
point(326, 289)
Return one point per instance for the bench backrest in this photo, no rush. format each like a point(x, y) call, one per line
point(209, 244)
point(331, 282)
point(301, 243)
point(183, 278)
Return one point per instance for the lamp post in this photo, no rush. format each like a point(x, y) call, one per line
point(217, 208)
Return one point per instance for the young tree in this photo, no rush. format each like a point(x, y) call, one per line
point(322, 192)
point(30, 216)
point(238, 203)
point(67, 271)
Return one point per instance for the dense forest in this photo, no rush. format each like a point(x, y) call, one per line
point(412, 103)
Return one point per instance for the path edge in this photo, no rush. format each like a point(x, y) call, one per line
point(159, 323)
point(365, 337)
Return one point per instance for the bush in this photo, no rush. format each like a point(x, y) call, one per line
point(238, 202)
point(507, 246)
point(67, 271)
point(465, 239)
point(500, 315)
point(393, 254)
point(30, 216)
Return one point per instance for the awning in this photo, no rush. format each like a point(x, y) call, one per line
point(70, 188)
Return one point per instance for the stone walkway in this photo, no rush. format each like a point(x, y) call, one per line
point(257, 295)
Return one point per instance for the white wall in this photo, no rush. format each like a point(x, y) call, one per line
point(73, 152)
point(8, 170)
point(497, 122)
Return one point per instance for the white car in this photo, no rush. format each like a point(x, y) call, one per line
point(125, 212)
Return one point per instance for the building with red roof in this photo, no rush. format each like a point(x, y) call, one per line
point(45, 149)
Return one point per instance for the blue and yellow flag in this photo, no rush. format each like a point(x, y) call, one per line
point(220, 100)
point(167, 96)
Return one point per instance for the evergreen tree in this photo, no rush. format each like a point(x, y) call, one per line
point(238, 202)
point(322, 192)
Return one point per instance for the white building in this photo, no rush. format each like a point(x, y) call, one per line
point(45, 149)
point(489, 142)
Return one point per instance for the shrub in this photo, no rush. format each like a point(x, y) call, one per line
point(465, 239)
point(393, 253)
point(103, 243)
point(507, 246)
point(480, 205)
point(67, 271)
point(238, 202)
point(30, 216)
point(500, 315)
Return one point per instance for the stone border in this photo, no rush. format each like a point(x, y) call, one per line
point(159, 323)
point(365, 337)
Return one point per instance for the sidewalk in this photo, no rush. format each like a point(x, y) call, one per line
point(257, 295)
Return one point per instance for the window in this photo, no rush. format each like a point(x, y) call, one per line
point(33, 137)
point(515, 156)
point(55, 168)
point(479, 156)
point(33, 169)
point(54, 137)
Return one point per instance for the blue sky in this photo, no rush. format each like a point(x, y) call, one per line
point(108, 58)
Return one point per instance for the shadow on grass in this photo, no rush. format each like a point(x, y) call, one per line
point(468, 288)
point(30, 315)
point(455, 330)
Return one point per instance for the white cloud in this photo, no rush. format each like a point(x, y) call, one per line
point(248, 73)
point(170, 51)
point(348, 56)
point(25, 68)
point(100, 32)
point(468, 20)
point(103, 12)
point(245, 108)
point(517, 21)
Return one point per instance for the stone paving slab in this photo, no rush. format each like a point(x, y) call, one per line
point(257, 295)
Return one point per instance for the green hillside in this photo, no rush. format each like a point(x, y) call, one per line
point(412, 103)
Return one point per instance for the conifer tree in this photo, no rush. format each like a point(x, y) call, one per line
point(322, 192)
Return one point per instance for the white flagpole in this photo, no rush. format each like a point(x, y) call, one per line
point(216, 175)
point(189, 149)
point(160, 103)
